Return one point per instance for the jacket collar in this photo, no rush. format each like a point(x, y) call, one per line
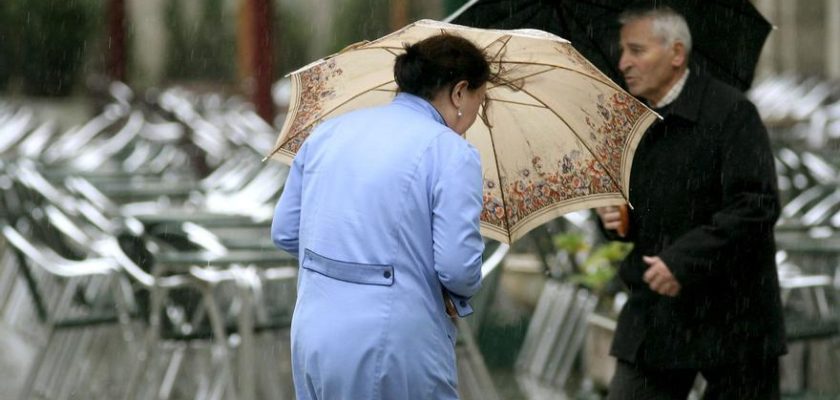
point(420, 105)
point(687, 104)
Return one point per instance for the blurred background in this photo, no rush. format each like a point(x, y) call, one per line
point(68, 48)
point(135, 258)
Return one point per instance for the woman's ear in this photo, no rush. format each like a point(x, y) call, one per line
point(458, 92)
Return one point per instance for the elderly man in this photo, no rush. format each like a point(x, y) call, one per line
point(704, 293)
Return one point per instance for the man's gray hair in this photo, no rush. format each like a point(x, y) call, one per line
point(668, 24)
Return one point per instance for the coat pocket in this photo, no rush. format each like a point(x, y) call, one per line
point(365, 274)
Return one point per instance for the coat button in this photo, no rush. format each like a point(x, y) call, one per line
point(387, 274)
point(463, 303)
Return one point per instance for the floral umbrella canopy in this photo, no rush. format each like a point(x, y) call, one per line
point(555, 134)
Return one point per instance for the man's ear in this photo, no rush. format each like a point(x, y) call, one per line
point(680, 57)
point(458, 92)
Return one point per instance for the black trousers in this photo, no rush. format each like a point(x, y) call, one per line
point(757, 380)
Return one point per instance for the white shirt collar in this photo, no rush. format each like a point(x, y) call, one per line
point(674, 92)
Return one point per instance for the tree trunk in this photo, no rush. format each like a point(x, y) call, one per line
point(116, 65)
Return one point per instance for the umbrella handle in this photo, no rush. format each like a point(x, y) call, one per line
point(624, 216)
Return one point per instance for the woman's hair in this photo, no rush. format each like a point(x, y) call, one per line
point(668, 25)
point(438, 62)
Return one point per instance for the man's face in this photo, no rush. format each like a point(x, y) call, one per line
point(650, 67)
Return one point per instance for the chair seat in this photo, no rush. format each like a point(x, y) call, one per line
point(803, 328)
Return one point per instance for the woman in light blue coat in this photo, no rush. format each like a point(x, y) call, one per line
point(382, 209)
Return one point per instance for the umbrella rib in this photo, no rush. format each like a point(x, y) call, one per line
point(554, 66)
point(509, 82)
point(499, 174)
point(606, 169)
point(504, 40)
point(515, 102)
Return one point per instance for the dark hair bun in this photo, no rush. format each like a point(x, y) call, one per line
point(438, 62)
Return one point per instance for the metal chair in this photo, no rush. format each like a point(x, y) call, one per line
point(555, 336)
point(64, 311)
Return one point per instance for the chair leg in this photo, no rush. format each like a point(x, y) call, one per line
point(108, 358)
point(150, 344)
point(8, 278)
point(29, 385)
point(139, 367)
point(77, 365)
point(245, 321)
point(172, 372)
point(221, 358)
point(203, 384)
point(124, 306)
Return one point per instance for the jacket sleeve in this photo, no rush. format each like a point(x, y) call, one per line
point(285, 227)
point(456, 206)
point(750, 202)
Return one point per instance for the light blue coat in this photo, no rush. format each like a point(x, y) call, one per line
point(381, 207)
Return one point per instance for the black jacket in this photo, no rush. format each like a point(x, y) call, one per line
point(703, 188)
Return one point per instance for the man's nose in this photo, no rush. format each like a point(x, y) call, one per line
point(623, 64)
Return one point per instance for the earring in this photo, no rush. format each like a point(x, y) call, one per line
point(459, 113)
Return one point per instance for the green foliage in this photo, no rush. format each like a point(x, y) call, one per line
point(359, 20)
point(48, 40)
point(202, 49)
point(450, 6)
point(5, 45)
point(599, 264)
point(291, 44)
point(572, 243)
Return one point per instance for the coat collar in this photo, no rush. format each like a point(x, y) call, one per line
point(420, 105)
point(687, 104)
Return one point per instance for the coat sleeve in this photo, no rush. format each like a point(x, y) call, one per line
point(285, 227)
point(456, 206)
point(750, 202)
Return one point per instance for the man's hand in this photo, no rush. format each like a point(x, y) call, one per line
point(659, 277)
point(610, 217)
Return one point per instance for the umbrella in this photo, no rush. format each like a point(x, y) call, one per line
point(727, 35)
point(555, 134)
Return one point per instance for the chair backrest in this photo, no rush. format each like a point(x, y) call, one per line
point(87, 190)
point(94, 157)
point(52, 262)
point(70, 142)
point(28, 175)
point(34, 144)
point(14, 129)
point(51, 299)
point(555, 334)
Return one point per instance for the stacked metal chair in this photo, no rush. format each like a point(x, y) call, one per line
point(145, 230)
point(74, 178)
point(805, 128)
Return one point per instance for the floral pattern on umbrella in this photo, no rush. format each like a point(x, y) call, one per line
point(316, 88)
point(555, 135)
point(575, 176)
